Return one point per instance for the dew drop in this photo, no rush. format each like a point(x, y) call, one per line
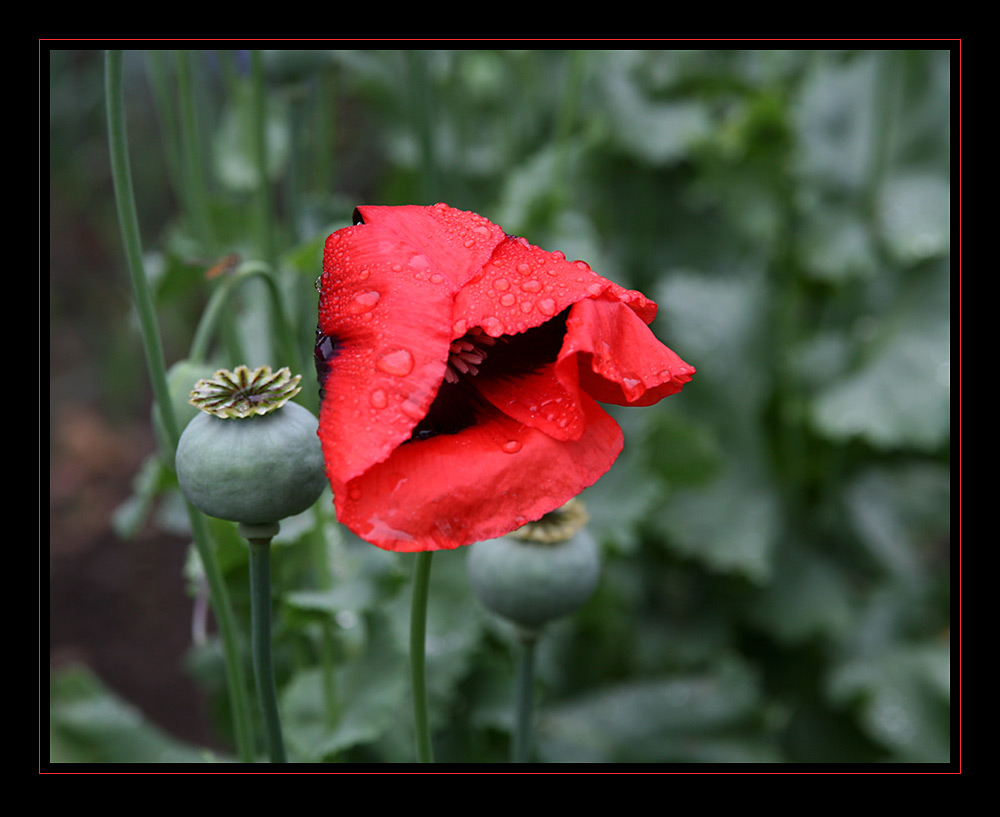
point(532, 286)
point(523, 268)
point(378, 399)
point(493, 327)
point(547, 306)
point(436, 278)
point(595, 289)
point(507, 299)
point(460, 327)
point(363, 302)
point(511, 446)
point(398, 362)
point(501, 284)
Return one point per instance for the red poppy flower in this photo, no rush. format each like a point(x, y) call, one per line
point(460, 369)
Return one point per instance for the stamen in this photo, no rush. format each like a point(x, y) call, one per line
point(466, 354)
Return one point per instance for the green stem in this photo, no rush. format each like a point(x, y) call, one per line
point(423, 124)
point(196, 195)
point(259, 537)
point(215, 311)
point(418, 639)
point(521, 747)
point(262, 209)
point(125, 198)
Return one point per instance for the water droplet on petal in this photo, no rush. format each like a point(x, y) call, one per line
point(493, 327)
point(363, 302)
point(532, 286)
point(511, 446)
point(398, 362)
point(507, 299)
point(501, 284)
point(378, 399)
point(547, 306)
point(523, 268)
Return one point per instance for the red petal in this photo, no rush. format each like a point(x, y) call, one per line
point(618, 358)
point(538, 399)
point(488, 480)
point(523, 286)
point(386, 301)
point(455, 243)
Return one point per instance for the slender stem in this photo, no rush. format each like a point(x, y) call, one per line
point(216, 310)
point(418, 638)
point(423, 124)
point(196, 196)
point(260, 627)
point(125, 198)
point(521, 747)
point(258, 126)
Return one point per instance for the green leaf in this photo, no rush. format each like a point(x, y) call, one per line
point(809, 596)
point(730, 526)
point(371, 692)
point(903, 696)
point(705, 717)
point(898, 398)
point(235, 159)
point(88, 723)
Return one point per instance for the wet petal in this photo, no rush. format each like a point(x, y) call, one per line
point(523, 286)
point(438, 240)
point(452, 490)
point(618, 359)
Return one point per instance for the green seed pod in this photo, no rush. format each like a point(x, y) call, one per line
point(542, 572)
point(255, 458)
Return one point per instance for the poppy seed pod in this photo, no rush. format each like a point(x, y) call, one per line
point(251, 457)
point(530, 579)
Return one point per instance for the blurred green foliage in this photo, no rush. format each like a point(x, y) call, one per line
point(776, 583)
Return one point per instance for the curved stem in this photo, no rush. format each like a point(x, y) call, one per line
point(216, 309)
point(260, 627)
point(125, 198)
point(418, 639)
point(521, 747)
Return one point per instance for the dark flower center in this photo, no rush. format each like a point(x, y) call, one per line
point(458, 405)
point(324, 351)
